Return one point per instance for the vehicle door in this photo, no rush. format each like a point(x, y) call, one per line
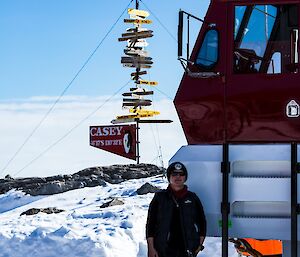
point(263, 82)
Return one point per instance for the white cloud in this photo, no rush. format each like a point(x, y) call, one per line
point(73, 153)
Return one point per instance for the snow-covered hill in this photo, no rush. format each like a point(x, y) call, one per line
point(83, 229)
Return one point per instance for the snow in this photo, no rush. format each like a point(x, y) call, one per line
point(83, 229)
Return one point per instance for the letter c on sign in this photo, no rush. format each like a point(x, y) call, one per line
point(92, 133)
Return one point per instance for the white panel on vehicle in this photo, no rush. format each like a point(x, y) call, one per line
point(259, 188)
point(262, 209)
point(261, 169)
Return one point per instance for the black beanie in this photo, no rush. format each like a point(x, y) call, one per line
point(176, 166)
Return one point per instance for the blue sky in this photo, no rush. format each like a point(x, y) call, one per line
point(44, 44)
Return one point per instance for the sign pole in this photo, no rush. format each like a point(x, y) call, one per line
point(137, 142)
point(137, 121)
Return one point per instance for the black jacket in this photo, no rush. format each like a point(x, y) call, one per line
point(160, 214)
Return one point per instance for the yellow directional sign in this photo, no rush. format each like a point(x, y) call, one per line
point(137, 21)
point(134, 116)
point(144, 111)
point(149, 83)
point(136, 12)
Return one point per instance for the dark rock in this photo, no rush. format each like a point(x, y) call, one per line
point(49, 189)
point(8, 177)
point(48, 210)
point(90, 177)
point(112, 202)
point(147, 188)
point(31, 211)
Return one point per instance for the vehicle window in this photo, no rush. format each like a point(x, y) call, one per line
point(275, 64)
point(209, 51)
point(260, 32)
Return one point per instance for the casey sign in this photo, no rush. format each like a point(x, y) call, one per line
point(117, 139)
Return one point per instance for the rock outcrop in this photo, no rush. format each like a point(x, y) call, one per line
point(147, 188)
point(90, 177)
point(48, 210)
point(112, 202)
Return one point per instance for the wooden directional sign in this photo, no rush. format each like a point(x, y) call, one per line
point(137, 21)
point(137, 65)
point(134, 116)
point(118, 121)
point(139, 73)
point(137, 12)
point(135, 100)
point(146, 82)
point(135, 36)
point(136, 104)
point(136, 52)
point(137, 33)
point(135, 59)
point(137, 43)
point(134, 47)
point(138, 93)
point(136, 29)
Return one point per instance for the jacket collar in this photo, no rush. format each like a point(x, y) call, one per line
point(178, 194)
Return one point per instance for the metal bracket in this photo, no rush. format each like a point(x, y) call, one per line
point(225, 207)
point(203, 74)
point(225, 167)
point(298, 208)
point(298, 167)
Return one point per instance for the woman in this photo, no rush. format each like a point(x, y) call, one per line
point(176, 224)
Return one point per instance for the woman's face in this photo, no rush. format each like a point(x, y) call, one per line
point(177, 179)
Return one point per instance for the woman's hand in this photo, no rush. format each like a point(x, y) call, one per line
point(199, 249)
point(151, 250)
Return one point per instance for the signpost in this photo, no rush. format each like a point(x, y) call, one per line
point(137, 57)
point(124, 139)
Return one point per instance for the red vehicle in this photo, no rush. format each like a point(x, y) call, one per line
point(241, 86)
point(242, 83)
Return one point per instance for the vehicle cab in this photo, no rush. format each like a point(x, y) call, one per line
point(242, 83)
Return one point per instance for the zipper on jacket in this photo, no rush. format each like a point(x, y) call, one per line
point(196, 227)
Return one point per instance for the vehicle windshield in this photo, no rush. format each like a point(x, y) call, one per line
point(265, 38)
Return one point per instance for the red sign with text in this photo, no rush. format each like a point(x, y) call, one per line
point(117, 139)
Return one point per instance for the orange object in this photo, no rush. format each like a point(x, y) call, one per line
point(265, 247)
